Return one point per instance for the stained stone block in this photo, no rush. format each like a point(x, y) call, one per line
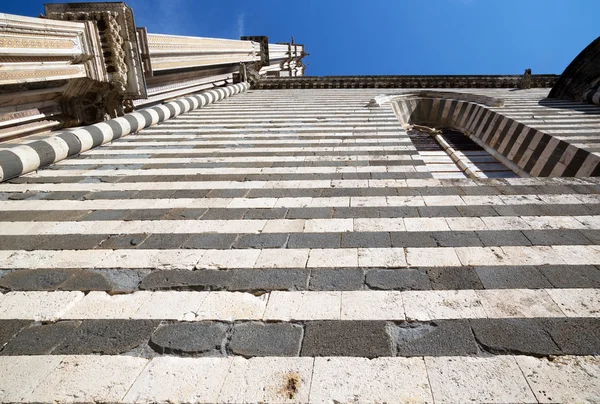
point(201, 339)
point(106, 337)
point(515, 336)
point(40, 339)
point(336, 279)
point(457, 239)
point(440, 338)
point(368, 339)
point(270, 339)
point(398, 279)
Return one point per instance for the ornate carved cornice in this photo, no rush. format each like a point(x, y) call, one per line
point(307, 82)
point(118, 38)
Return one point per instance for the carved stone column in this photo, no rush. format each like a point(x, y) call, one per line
point(38, 59)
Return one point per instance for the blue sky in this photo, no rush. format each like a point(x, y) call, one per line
point(358, 37)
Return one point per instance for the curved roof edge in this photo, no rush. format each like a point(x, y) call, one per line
point(580, 75)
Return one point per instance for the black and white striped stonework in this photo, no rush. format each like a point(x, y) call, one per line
point(293, 246)
point(23, 157)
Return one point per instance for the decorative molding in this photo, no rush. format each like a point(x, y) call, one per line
point(308, 82)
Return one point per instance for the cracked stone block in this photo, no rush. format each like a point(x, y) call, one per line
point(270, 339)
point(10, 328)
point(575, 336)
point(201, 339)
point(267, 279)
point(398, 279)
point(368, 339)
point(439, 338)
point(513, 336)
point(107, 337)
point(336, 279)
point(40, 339)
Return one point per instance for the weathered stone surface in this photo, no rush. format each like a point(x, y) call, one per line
point(266, 339)
point(107, 337)
point(10, 328)
point(398, 279)
point(35, 279)
point(513, 336)
point(273, 240)
point(336, 279)
point(122, 280)
point(124, 241)
point(572, 276)
point(268, 279)
point(448, 278)
point(512, 277)
point(368, 339)
point(40, 339)
point(439, 338)
point(575, 336)
point(86, 281)
point(203, 339)
point(186, 280)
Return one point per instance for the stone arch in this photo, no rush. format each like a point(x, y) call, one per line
point(522, 148)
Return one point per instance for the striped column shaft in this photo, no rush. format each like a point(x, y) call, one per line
point(57, 146)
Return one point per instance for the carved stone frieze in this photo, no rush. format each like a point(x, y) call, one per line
point(117, 33)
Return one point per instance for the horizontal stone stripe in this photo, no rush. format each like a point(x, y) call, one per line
point(144, 238)
point(295, 279)
point(296, 202)
point(240, 159)
point(255, 151)
point(41, 152)
point(126, 379)
point(302, 257)
point(355, 226)
point(426, 305)
point(370, 339)
point(217, 172)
